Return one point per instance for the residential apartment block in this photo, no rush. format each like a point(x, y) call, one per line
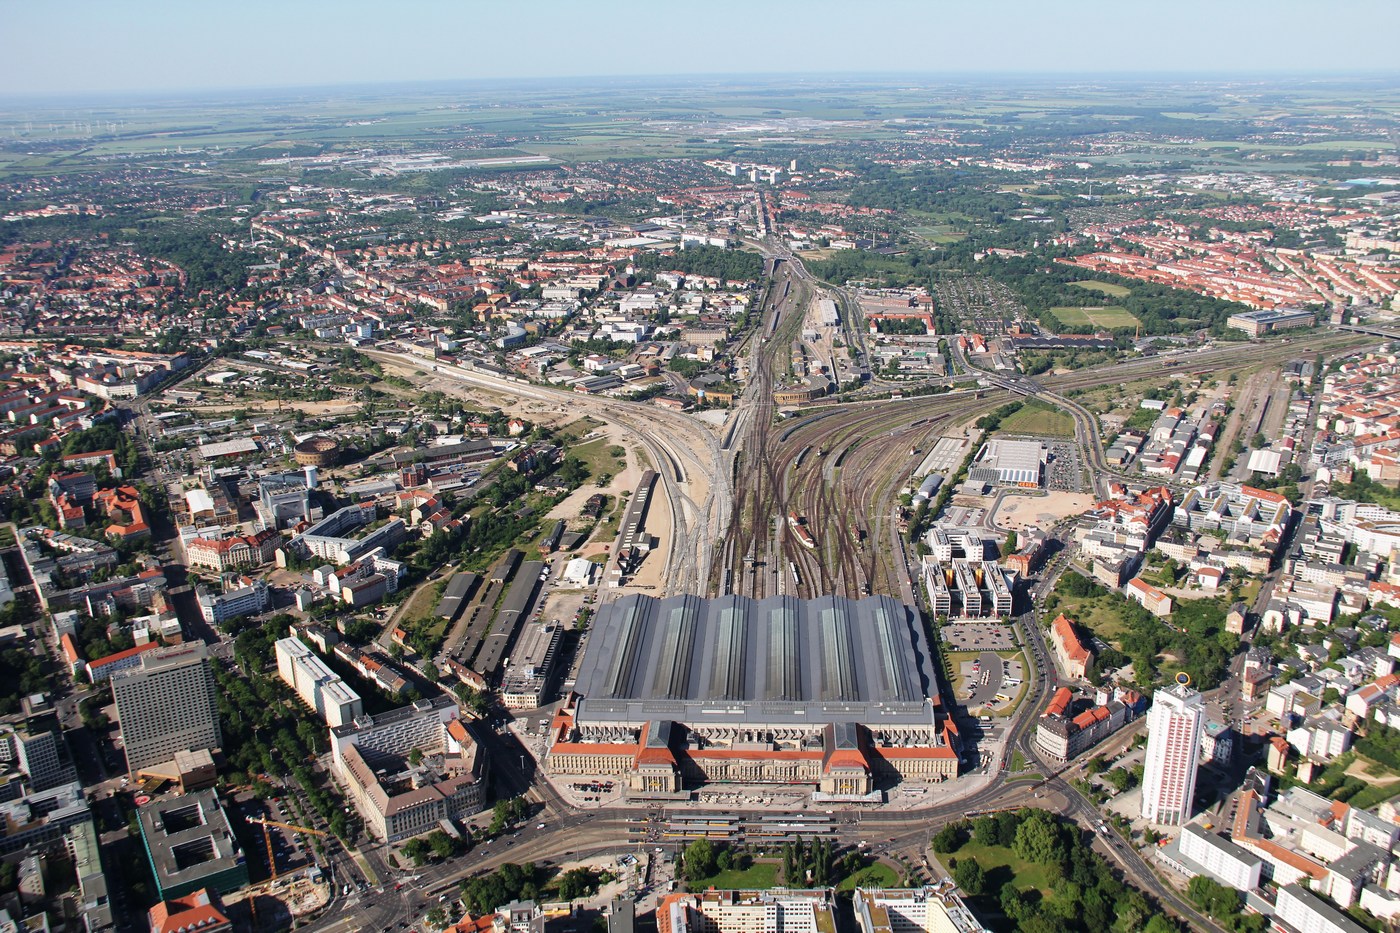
point(318, 686)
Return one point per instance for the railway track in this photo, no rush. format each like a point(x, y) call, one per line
point(841, 471)
point(840, 465)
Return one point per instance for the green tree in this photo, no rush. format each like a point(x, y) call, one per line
point(1008, 821)
point(948, 839)
point(443, 846)
point(1037, 839)
point(1119, 779)
point(577, 883)
point(1213, 898)
point(969, 876)
point(416, 849)
point(698, 860)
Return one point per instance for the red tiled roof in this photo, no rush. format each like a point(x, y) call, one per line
point(194, 912)
point(123, 655)
point(1073, 649)
point(1059, 703)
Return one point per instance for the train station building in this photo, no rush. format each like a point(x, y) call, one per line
point(831, 692)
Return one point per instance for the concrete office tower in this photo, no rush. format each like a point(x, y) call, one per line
point(167, 705)
point(1174, 726)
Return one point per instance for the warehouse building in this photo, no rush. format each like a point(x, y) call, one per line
point(1259, 323)
point(1010, 463)
point(527, 677)
point(831, 692)
point(454, 597)
point(515, 609)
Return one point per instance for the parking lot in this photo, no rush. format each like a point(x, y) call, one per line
point(979, 636)
point(1063, 472)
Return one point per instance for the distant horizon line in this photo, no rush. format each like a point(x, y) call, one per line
point(545, 81)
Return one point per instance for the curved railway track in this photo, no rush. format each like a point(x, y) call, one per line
point(842, 474)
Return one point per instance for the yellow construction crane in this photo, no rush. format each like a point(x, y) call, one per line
point(267, 839)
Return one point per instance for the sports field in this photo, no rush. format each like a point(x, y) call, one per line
point(1107, 316)
point(1104, 288)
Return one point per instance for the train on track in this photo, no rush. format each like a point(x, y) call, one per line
point(798, 524)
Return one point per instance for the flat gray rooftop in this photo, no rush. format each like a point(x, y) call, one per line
point(733, 660)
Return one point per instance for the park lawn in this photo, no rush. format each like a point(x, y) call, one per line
point(1002, 865)
point(1106, 316)
point(1382, 788)
point(1104, 288)
point(1037, 418)
point(757, 877)
point(418, 617)
point(1098, 614)
point(878, 875)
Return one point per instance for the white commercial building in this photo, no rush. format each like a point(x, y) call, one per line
point(1231, 865)
point(318, 686)
point(777, 911)
point(1174, 726)
point(218, 608)
point(401, 794)
point(913, 910)
point(1301, 910)
point(1012, 462)
point(167, 705)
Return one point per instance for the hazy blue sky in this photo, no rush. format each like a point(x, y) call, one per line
point(59, 46)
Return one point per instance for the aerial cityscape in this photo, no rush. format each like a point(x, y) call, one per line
point(851, 498)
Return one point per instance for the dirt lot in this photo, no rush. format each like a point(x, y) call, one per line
point(331, 408)
point(1017, 513)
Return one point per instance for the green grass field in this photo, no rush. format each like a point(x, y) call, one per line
point(597, 455)
point(418, 615)
point(1104, 288)
point(1098, 614)
point(757, 877)
point(1003, 865)
point(1035, 418)
point(1107, 316)
point(955, 660)
point(878, 875)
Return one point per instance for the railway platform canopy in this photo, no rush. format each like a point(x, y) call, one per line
point(831, 691)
